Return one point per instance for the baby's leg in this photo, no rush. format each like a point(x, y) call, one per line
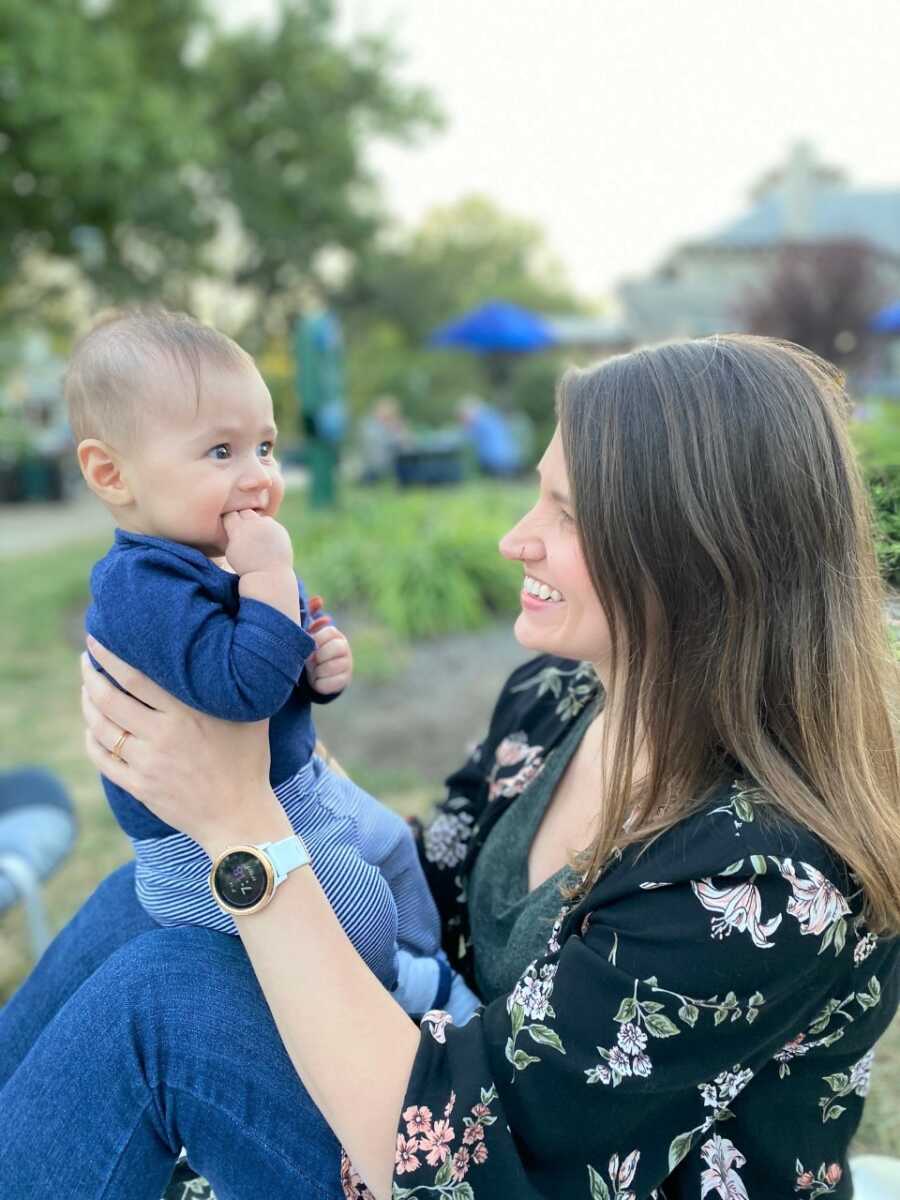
point(174, 890)
point(172, 877)
point(385, 841)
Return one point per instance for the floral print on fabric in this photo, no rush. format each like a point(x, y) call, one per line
point(446, 839)
point(702, 991)
point(621, 1175)
point(528, 762)
point(823, 1183)
point(721, 1176)
point(452, 1150)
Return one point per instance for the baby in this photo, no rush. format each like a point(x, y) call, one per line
point(176, 436)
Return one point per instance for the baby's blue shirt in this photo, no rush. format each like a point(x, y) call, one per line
point(176, 616)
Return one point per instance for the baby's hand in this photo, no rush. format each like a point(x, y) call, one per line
point(330, 669)
point(256, 543)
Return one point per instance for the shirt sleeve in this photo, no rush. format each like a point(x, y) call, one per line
point(624, 1046)
point(307, 692)
point(155, 612)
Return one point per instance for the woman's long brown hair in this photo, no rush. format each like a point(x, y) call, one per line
point(727, 532)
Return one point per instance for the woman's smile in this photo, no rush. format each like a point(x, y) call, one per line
point(536, 594)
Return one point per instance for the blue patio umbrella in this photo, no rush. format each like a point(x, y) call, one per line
point(886, 320)
point(496, 328)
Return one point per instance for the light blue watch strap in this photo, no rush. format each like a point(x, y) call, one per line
point(285, 856)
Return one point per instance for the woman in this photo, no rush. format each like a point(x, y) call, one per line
point(707, 728)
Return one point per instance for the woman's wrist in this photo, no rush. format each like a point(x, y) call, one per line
point(259, 818)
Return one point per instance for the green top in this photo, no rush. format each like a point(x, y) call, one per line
point(510, 925)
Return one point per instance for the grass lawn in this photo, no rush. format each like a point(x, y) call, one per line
point(441, 574)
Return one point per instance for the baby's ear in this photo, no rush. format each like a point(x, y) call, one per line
point(102, 471)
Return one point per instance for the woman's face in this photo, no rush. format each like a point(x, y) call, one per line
point(560, 610)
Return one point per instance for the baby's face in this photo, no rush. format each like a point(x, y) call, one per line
point(193, 464)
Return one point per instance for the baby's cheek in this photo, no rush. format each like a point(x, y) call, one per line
point(276, 493)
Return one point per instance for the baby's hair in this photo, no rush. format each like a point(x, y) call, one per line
point(105, 383)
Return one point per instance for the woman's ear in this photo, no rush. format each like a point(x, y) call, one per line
point(102, 471)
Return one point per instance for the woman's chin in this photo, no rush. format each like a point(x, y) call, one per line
point(530, 637)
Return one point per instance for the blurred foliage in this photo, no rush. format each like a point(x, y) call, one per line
point(416, 563)
point(457, 258)
point(877, 439)
point(821, 295)
point(130, 129)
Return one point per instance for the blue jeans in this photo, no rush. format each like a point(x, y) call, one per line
point(129, 1041)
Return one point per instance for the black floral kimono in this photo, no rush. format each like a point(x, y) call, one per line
point(701, 1024)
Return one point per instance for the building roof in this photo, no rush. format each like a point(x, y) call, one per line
point(833, 212)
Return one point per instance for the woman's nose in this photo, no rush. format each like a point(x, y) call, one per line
point(519, 546)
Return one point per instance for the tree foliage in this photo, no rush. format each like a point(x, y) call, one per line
point(820, 295)
point(459, 256)
point(128, 128)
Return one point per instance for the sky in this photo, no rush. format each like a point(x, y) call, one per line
point(624, 127)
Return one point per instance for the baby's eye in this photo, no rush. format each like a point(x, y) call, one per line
point(220, 452)
point(265, 449)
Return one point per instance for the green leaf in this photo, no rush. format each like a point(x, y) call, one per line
point(546, 1036)
point(679, 1148)
point(834, 1112)
point(650, 1006)
point(730, 1000)
point(837, 1081)
point(599, 1190)
point(463, 1191)
point(752, 1014)
point(627, 1010)
point(759, 863)
point(827, 939)
point(865, 1000)
point(833, 1037)
point(444, 1171)
point(840, 935)
point(732, 868)
point(721, 1015)
point(520, 1060)
point(689, 1014)
point(875, 989)
point(660, 1026)
point(518, 1018)
point(743, 808)
point(756, 998)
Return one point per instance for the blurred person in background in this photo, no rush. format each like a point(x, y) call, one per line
point(496, 446)
point(382, 433)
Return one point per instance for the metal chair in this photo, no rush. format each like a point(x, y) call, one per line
point(37, 831)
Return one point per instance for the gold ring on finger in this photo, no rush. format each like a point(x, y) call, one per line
point(116, 751)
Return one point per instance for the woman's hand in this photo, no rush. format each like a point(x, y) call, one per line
point(206, 777)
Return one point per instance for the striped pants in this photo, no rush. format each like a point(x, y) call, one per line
point(363, 855)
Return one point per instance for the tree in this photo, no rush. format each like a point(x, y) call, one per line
point(458, 257)
point(129, 131)
point(820, 295)
point(92, 143)
point(294, 110)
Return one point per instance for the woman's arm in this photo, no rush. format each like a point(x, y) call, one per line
point(351, 1044)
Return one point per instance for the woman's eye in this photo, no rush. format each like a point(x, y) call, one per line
point(265, 449)
point(220, 452)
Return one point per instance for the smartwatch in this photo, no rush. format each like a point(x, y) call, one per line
point(243, 879)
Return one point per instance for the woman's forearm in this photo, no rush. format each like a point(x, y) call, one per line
point(351, 1044)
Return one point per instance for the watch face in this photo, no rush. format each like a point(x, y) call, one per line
point(241, 879)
